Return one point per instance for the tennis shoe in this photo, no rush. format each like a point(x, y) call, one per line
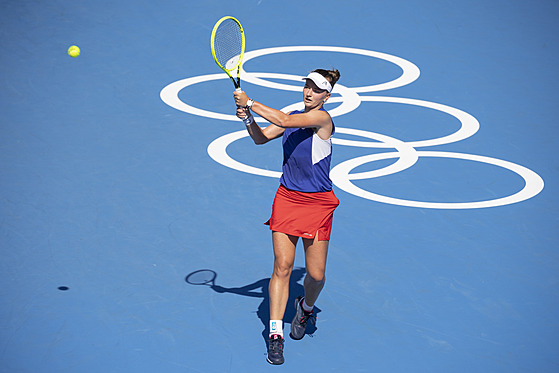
point(302, 317)
point(275, 350)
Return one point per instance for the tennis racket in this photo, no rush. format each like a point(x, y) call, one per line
point(228, 47)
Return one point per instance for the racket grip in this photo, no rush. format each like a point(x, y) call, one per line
point(238, 89)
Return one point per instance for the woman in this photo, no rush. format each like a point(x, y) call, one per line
point(304, 203)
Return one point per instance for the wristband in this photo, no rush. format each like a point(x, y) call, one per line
point(248, 120)
point(250, 103)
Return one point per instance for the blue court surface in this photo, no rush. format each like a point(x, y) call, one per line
point(132, 203)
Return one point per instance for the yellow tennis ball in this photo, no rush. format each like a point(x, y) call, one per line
point(74, 51)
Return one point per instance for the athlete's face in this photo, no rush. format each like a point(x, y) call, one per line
point(313, 96)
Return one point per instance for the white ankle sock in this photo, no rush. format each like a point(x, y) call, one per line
point(305, 307)
point(276, 327)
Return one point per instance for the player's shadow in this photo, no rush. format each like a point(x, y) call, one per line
point(259, 289)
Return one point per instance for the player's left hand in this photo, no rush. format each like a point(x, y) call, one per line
point(242, 112)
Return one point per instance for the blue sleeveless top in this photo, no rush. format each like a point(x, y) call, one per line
point(306, 160)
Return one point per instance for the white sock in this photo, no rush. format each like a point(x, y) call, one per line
point(276, 327)
point(306, 307)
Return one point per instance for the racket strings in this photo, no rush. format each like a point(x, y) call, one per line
point(228, 44)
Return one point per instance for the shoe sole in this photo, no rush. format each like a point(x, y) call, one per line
point(295, 339)
point(275, 363)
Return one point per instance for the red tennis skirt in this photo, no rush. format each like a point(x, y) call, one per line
point(303, 214)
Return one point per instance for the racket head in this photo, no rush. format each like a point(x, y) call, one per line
point(228, 45)
point(202, 277)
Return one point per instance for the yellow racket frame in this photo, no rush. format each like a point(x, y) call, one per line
point(238, 64)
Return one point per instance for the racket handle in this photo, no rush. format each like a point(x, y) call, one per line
point(238, 89)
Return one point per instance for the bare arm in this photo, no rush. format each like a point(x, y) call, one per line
point(317, 119)
point(313, 118)
point(260, 135)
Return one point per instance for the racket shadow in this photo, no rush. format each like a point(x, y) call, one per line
point(259, 289)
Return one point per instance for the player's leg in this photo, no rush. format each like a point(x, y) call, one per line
point(284, 258)
point(316, 253)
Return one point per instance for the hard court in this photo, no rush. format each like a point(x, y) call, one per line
point(132, 202)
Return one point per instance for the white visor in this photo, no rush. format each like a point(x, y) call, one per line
point(320, 81)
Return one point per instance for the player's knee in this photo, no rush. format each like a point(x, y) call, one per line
point(282, 269)
point(317, 279)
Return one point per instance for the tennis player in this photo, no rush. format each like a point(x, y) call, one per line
point(304, 203)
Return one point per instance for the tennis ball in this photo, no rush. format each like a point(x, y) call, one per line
point(74, 51)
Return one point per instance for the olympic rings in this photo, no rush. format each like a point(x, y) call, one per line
point(533, 182)
point(406, 153)
point(410, 71)
point(218, 152)
point(170, 95)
